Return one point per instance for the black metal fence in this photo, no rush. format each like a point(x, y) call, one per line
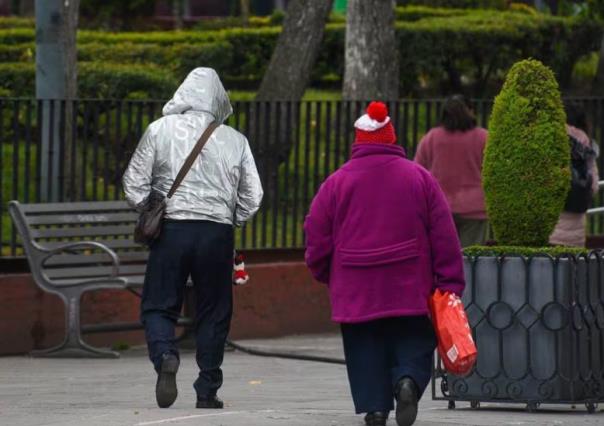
point(56, 150)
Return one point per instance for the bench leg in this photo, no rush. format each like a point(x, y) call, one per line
point(73, 346)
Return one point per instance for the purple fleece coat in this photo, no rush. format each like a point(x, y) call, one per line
point(381, 235)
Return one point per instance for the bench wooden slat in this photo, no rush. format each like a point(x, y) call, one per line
point(117, 244)
point(82, 219)
point(133, 281)
point(93, 271)
point(97, 257)
point(84, 231)
point(95, 206)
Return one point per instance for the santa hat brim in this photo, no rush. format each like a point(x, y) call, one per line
point(368, 124)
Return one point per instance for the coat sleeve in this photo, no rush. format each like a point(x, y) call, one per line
point(139, 174)
point(446, 252)
point(593, 169)
point(249, 192)
point(319, 240)
point(595, 186)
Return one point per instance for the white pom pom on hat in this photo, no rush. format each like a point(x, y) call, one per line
point(375, 126)
point(375, 118)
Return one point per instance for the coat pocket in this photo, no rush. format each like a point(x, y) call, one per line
point(379, 256)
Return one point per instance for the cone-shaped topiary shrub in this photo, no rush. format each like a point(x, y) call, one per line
point(526, 173)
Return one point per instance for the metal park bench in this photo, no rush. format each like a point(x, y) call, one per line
point(73, 248)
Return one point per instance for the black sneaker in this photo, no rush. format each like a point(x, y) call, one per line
point(406, 395)
point(165, 389)
point(213, 402)
point(376, 418)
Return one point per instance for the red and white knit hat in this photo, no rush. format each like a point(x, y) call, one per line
point(375, 126)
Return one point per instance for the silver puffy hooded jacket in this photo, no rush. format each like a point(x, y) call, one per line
point(223, 184)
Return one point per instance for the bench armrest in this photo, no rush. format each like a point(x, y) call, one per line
point(79, 245)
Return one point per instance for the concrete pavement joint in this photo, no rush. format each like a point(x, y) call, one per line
point(195, 416)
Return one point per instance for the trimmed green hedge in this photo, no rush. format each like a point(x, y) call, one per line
point(11, 36)
point(24, 52)
point(483, 46)
point(98, 80)
point(434, 46)
point(526, 173)
point(179, 59)
point(458, 4)
point(16, 22)
point(523, 251)
point(415, 13)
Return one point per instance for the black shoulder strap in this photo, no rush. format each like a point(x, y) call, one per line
point(192, 157)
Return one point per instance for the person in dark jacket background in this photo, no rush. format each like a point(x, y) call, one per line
point(381, 236)
point(571, 230)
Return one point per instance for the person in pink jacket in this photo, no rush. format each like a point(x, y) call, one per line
point(381, 235)
point(453, 153)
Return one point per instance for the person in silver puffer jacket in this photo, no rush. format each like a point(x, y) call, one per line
point(224, 186)
point(221, 190)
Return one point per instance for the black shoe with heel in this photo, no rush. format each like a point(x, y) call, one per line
point(165, 389)
point(407, 396)
point(376, 418)
point(213, 402)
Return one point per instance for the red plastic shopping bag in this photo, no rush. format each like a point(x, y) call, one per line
point(455, 343)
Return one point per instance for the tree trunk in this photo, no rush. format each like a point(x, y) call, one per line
point(289, 70)
point(68, 40)
point(286, 79)
point(554, 6)
point(245, 12)
point(598, 84)
point(177, 10)
point(371, 62)
point(455, 84)
point(26, 8)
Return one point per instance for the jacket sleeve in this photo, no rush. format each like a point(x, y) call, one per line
point(595, 185)
point(446, 252)
point(593, 169)
point(249, 192)
point(319, 240)
point(139, 174)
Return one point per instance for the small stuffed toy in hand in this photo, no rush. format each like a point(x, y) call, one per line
point(240, 275)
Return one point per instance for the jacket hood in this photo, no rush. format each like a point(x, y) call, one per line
point(201, 91)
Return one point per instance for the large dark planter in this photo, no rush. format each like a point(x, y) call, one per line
point(538, 323)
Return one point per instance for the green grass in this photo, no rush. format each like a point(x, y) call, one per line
point(309, 95)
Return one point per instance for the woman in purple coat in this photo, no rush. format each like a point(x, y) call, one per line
point(381, 236)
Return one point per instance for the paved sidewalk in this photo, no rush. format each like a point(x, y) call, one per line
point(257, 391)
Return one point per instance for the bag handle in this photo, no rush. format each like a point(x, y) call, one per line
point(192, 157)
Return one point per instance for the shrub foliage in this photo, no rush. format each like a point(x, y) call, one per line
point(437, 47)
point(526, 173)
